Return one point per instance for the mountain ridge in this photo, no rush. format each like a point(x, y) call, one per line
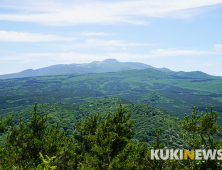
point(107, 65)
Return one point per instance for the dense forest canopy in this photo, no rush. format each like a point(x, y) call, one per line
point(73, 111)
point(101, 143)
point(176, 93)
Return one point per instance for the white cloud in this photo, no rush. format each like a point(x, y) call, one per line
point(100, 44)
point(71, 56)
point(218, 74)
point(12, 36)
point(95, 34)
point(217, 47)
point(80, 57)
point(178, 52)
point(129, 56)
point(69, 12)
point(2, 73)
point(28, 57)
point(205, 65)
point(113, 43)
point(22, 56)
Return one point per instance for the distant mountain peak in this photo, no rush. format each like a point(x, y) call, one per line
point(28, 70)
point(110, 61)
point(108, 65)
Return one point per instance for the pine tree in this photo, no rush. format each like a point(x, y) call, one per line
point(27, 140)
point(102, 140)
point(201, 129)
point(4, 123)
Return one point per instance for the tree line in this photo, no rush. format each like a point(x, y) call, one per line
point(101, 144)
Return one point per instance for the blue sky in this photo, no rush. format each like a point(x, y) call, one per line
point(180, 35)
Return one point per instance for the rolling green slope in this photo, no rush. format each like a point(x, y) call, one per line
point(148, 86)
point(148, 118)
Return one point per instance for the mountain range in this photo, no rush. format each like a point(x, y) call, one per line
point(173, 92)
point(108, 65)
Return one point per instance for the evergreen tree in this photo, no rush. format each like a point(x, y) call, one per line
point(101, 144)
point(154, 164)
point(102, 140)
point(4, 123)
point(201, 129)
point(26, 141)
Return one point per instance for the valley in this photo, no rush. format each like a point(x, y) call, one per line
point(175, 93)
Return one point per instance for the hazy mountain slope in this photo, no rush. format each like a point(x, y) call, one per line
point(108, 65)
point(174, 95)
point(192, 74)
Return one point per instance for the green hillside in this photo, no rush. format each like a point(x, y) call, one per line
point(148, 86)
point(107, 133)
point(148, 118)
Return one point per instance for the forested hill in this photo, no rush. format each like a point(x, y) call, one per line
point(175, 94)
point(148, 118)
point(111, 134)
point(108, 65)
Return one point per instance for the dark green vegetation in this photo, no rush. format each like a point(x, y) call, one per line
point(108, 65)
point(201, 128)
point(68, 98)
point(101, 143)
point(175, 93)
point(148, 118)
